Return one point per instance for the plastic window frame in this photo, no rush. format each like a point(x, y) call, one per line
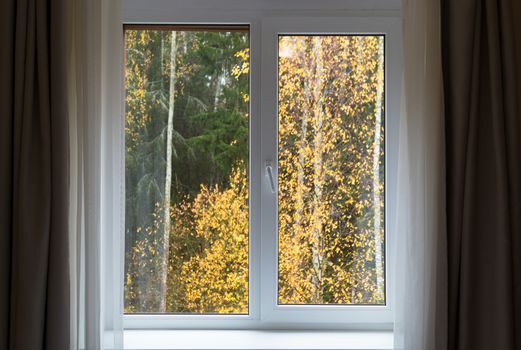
point(265, 24)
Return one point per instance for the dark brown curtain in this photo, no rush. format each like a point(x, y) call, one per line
point(34, 282)
point(517, 24)
point(483, 175)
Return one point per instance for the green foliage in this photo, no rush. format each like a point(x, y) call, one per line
point(224, 139)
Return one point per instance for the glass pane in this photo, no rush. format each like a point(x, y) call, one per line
point(331, 169)
point(186, 218)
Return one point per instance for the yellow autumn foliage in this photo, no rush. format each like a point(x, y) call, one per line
point(216, 279)
point(327, 180)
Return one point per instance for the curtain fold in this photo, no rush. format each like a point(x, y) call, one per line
point(97, 165)
point(517, 27)
point(420, 267)
point(34, 176)
point(483, 175)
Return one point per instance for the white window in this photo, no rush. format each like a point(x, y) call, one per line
point(259, 165)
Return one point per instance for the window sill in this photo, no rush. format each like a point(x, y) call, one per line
point(256, 340)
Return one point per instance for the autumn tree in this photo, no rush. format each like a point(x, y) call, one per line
point(215, 275)
point(330, 170)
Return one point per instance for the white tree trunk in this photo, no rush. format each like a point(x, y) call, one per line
point(318, 176)
point(377, 202)
point(168, 176)
point(301, 165)
point(218, 89)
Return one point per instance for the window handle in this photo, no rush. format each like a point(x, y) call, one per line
point(270, 176)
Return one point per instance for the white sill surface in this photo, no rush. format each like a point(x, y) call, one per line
point(256, 340)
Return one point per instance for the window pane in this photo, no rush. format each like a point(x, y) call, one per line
point(331, 169)
point(186, 219)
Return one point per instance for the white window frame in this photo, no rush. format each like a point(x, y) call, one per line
point(266, 21)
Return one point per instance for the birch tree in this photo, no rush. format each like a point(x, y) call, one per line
point(377, 183)
point(168, 174)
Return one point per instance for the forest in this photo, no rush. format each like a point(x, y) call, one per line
point(186, 170)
